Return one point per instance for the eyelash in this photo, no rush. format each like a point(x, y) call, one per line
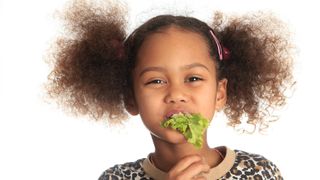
point(153, 82)
point(198, 78)
point(158, 81)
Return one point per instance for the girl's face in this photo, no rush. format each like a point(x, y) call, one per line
point(175, 73)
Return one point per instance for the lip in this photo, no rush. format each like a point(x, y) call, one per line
point(175, 111)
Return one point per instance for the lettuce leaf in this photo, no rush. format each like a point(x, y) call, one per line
point(191, 126)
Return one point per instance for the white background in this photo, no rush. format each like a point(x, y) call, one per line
point(39, 141)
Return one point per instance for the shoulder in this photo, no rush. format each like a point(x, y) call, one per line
point(253, 165)
point(129, 170)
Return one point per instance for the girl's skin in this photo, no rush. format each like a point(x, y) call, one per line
point(175, 73)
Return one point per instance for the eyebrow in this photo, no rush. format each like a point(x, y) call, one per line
point(161, 69)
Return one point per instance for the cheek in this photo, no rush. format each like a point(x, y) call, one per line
point(207, 101)
point(148, 101)
point(207, 92)
point(151, 109)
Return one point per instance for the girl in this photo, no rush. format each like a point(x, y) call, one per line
point(171, 65)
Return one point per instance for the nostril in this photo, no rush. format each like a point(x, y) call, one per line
point(176, 100)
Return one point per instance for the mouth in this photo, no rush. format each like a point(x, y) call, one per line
point(175, 113)
point(191, 126)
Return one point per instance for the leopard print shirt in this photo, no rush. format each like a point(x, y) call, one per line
point(246, 167)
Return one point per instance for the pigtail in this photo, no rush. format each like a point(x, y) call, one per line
point(88, 75)
point(259, 67)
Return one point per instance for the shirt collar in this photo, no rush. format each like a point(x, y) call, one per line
point(214, 173)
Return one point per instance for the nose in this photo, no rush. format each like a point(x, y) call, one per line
point(176, 94)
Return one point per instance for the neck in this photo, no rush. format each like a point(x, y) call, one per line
point(166, 155)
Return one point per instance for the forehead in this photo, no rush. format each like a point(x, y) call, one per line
point(174, 44)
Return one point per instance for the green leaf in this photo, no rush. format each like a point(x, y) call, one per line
point(191, 126)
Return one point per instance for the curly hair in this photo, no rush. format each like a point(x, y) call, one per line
point(260, 69)
point(88, 76)
point(94, 59)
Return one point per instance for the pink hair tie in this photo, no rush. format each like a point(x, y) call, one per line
point(223, 52)
point(226, 53)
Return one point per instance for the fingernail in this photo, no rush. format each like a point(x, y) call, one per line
point(204, 160)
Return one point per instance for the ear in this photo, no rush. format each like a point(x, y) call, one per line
point(221, 97)
point(130, 104)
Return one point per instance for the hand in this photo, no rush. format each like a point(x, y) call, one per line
point(190, 167)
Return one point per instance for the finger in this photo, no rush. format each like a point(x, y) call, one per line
point(186, 162)
point(196, 170)
point(199, 178)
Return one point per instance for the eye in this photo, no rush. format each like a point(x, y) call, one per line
point(193, 79)
point(156, 81)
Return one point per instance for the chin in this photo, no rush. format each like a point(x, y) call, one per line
point(172, 136)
